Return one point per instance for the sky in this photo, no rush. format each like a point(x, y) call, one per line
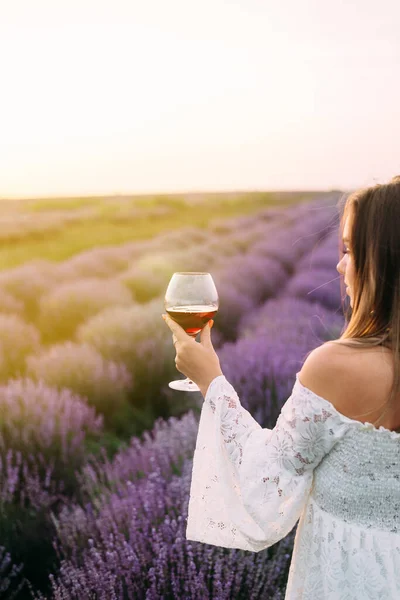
point(114, 97)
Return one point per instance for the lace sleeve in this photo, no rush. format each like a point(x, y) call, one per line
point(249, 484)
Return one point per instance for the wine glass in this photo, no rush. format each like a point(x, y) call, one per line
point(191, 300)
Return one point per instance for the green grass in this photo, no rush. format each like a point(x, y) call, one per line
point(102, 230)
point(49, 204)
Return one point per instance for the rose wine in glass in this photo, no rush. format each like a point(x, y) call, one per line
point(191, 300)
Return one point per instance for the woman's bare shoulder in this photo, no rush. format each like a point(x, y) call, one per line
point(353, 380)
point(322, 368)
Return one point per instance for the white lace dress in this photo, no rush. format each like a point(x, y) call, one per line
point(339, 476)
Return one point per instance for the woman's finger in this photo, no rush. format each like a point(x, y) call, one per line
point(175, 328)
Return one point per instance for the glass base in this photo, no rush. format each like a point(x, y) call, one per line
point(184, 385)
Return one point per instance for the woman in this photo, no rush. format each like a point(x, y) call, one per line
point(322, 464)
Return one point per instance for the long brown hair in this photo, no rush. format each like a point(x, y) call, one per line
point(374, 319)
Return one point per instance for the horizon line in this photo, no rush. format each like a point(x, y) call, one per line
point(174, 193)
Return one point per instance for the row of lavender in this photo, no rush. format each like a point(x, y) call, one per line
point(127, 540)
point(92, 323)
point(24, 220)
point(118, 525)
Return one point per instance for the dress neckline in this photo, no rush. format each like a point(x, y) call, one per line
point(367, 426)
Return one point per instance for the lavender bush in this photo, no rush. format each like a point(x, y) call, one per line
point(17, 341)
point(259, 278)
point(320, 285)
point(82, 369)
point(40, 420)
point(122, 534)
point(45, 435)
point(68, 305)
point(163, 263)
point(201, 258)
point(183, 238)
point(90, 263)
point(163, 449)
point(106, 551)
point(322, 255)
point(135, 337)
point(289, 319)
point(245, 235)
point(11, 581)
point(149, 276)
point(290, 244)
point(29, 225)
point(144, 286)
point(221, 227)
point(131, 543)
point(221, 249)
point(234, 304)
point(29, 493)
point(272, 347)
point(28, 283)
point(280, 248)
point(243, 282)
point(11, 305)
point(96, 262)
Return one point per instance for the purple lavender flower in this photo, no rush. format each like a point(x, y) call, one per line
point(234, 304)
point(29, 494)
point(38, 419)
point(43, 438)
point(132, 544)
point(274, 341)
point(82, 369)
point(11, 580)
point(320, 285)
point(135, 337)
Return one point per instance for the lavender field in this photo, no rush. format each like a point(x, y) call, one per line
point(95, 449)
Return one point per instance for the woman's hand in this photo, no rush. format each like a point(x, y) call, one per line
point(198, 361)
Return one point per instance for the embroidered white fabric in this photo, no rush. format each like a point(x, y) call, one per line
point(338, 477)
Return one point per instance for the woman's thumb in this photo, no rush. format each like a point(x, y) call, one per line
point(205, 334)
